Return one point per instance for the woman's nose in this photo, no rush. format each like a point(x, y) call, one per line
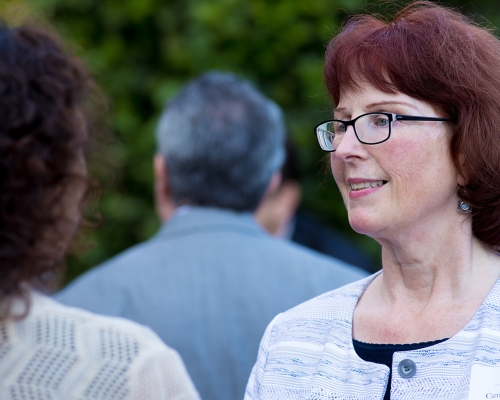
point(349, 145)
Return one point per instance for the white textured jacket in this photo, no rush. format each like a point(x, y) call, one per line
point(307, 353)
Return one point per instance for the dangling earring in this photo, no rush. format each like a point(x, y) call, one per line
point(464, 207)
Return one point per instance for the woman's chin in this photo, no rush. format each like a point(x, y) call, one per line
point(364, 225)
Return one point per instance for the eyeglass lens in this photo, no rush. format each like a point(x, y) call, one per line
point(370, 128)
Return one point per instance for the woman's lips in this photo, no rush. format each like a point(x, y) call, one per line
point(360, 188)
point(366, 185)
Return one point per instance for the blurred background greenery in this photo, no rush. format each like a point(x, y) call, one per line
point(142, 51)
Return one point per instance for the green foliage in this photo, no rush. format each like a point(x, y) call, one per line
point(142, 51)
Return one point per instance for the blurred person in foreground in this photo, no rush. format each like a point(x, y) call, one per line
point(211, 279)
point(415, 152)
point(47, 350)
point(280, 214)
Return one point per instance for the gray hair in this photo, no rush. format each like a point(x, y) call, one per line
point(222, 141)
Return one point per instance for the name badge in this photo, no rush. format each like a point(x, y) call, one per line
point(484, 382)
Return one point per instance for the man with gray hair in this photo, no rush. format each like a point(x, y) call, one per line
point(211, 279)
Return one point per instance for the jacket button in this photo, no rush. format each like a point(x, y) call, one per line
point(407, 369)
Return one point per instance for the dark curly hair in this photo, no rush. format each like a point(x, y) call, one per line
point(43, 131)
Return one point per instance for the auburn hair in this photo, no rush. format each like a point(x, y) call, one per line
point(43, 131)
point(439, 56)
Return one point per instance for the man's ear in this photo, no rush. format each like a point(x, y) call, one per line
point(278, 208)
point(164, 203)
point(273, 185)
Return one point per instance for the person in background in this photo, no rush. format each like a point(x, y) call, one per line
point(211, 279)
point(48, 350)
point(415, 152)
point(280, 214)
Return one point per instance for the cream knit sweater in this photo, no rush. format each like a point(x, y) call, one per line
point(64, 353)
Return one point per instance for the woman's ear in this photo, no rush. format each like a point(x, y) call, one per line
point(461, 179)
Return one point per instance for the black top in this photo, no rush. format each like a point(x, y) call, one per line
point(383, 353)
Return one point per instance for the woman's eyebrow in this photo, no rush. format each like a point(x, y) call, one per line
point(389, 103)
point(379, 104)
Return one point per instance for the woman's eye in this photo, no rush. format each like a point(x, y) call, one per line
point(339, 127)
point(382, 122)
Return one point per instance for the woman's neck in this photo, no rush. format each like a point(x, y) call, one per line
point(433, 282)
point(449, 272)
point(438, 253)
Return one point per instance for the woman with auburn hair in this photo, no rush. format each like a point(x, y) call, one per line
point(415, 152)
point(47, 350)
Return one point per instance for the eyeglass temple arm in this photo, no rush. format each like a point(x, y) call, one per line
point(417, 118)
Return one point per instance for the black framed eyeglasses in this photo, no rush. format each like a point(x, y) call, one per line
point(370, 128)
